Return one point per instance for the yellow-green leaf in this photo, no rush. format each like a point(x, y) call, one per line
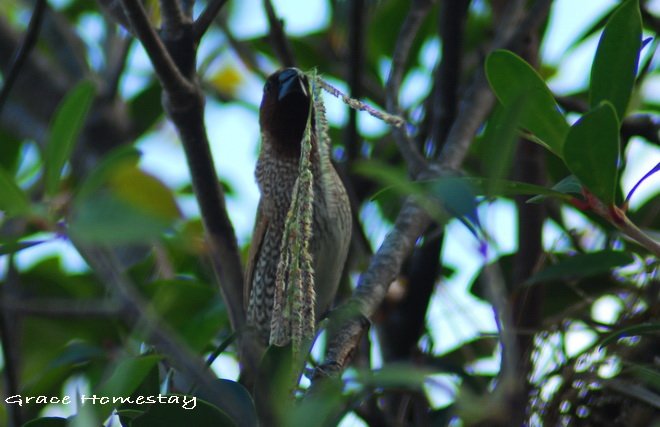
point(143, 191)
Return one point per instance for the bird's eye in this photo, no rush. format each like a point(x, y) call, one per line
point(267, 87)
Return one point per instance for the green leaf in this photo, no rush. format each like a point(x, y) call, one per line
point(568, 185)
point(125, 379)
point(192, 309)
point(146, 108)
point(591, 151)
point(13, 247)
point(120, 203)
point(615, 65)
point(119, 157)
point(47, 422)
point(582, 265)
point(646, 375)
point(513, 80)
point(233, 397)
point(144, 192)
point(457, 197)
point(174, 414)
point(396, 375)
point(64, 130)
point(103, 218)
point(326, 405)
point(10, 151)
point(641, 329)
point(395, 180)
point(13, 199)
point(499, 143)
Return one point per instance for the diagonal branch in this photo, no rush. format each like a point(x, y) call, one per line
point(173, 54)
point(409, 29)
point(22, 52)
point(278, 38)
point(205, 20)
point(142, 316)
point(412, 219)
point(168, 73)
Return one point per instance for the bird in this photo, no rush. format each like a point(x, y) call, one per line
point(283, 118)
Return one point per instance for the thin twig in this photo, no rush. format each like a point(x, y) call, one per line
point(617, 218)
point(204, 21)
point(117, 53)
point(409, 29)
point(23, 50)
point(10, 341)
point(278, 37)
point(61, 308)
point(168, 73)
point(243, 51)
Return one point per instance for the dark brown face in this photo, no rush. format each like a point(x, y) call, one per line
point(284, 109)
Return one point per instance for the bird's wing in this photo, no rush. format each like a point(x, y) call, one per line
point(260, 227)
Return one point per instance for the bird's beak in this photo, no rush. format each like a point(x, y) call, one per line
point(291, 81)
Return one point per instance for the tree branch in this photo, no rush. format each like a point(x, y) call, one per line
point(23, 51)
point(278, 37)
point(354, 70)
point(447, 81)
point(207, 17)
point(183, 100)
point(413, 220)
point(11, 345)
point(61, 307)
point(479, 99)
point(171, 14)
point(411, 25)
point(168, 73)
point(164, 339)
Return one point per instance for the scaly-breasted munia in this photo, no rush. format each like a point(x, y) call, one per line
point(283, 117)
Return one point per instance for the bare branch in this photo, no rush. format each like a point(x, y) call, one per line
point(412, 219)
point(171, 14)
point(10, 342)
point(174, 61)
point(142, 316)
point(23, 50)
point(116, 54)
point(479, 100)
point(205, 20)
point(372, 287)
point(278, 37)
point(409, 29)
point(61, 307)
point(169, 74)
point(453, 16)
point(243, 51)
point(357, 30)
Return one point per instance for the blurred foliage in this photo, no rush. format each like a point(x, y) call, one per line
point(64, 332)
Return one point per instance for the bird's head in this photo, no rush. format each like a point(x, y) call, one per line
point(284, 110)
